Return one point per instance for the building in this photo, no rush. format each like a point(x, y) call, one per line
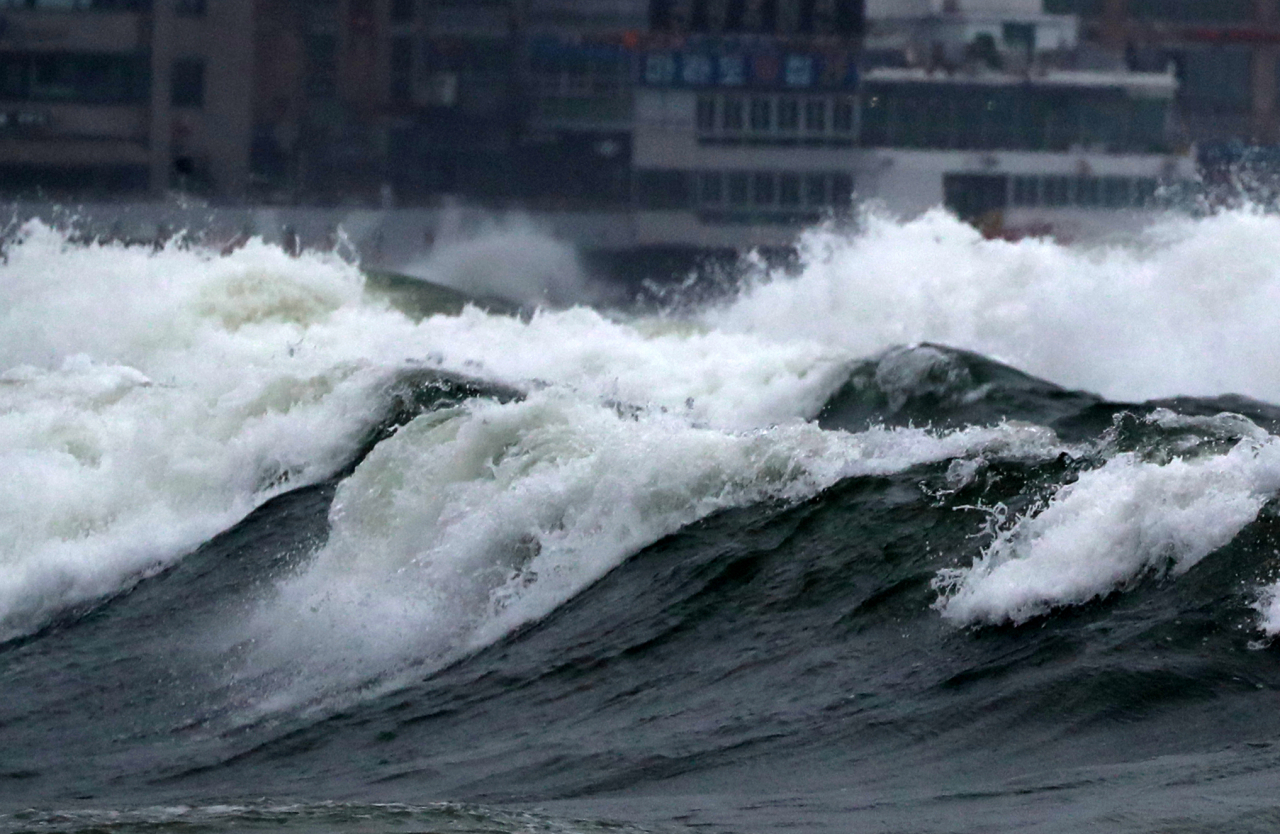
point(115, 98)
point(744, 141)
point(407, 101)
point(740, 140)
point(1226, 54)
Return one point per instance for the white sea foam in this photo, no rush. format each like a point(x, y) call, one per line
point(151, 399)
point(1127, 519)
point(1185, 310)
point(511, 260)
point(470, 522)
point(1268, 608)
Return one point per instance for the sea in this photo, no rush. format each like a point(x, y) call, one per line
point(917, 532)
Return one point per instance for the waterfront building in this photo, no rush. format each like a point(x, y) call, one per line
point(115, 98)
point(1226, 54)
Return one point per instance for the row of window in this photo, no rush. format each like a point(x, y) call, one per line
point(1011, 118)
point(1089, 192)
point(80, 78)
point(34, 180)
point(780, 115)
point(749, 190)
point(96, 79)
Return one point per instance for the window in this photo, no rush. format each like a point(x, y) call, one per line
point(706, 114)
point(739, 185)
point(1088, 191)
point(19, 179)
point(1144, 191)
point(1115, 192)
point(731, 118)
point(711, 188)
point(841, 190)
point(187, 83)
point(84, 79)
point(789, 190)
point(842, 115)
point(1020, 36)
point(761, 114)
point(764, 192)
point(1216, 76)
point(815, 115)
point(1026, 191)
point(1057, 191)
point(788, 114)
point(972, 196)
point(815, 190)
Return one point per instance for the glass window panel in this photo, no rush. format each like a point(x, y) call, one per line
point(706, 113)
point(841, 190)
point(1026, 191)
point(712, 188)
point(875, 127)
point(1115, 192)
point(815, 190)
point(815, 115)
point(788, 114)
point(1056, 191)
point(1088, 191)
point(938, 123)
point(761, 114)
point(789, 189)
point(731, 118)
point(1144, 191)
point(764, 191)
point(739, 187)
point(842, 115)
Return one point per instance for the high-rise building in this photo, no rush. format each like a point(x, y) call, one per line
point(108, 98)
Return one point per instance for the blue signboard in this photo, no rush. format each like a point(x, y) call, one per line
point(709, 62)
point(763, 69)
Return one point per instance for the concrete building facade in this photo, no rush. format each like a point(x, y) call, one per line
point(113, 98)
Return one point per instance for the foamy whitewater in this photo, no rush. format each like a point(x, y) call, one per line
point(926, 514)
point(153, 399)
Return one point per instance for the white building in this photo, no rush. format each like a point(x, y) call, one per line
point(1069, 153)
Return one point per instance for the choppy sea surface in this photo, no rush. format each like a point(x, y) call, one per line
point(927, 533)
